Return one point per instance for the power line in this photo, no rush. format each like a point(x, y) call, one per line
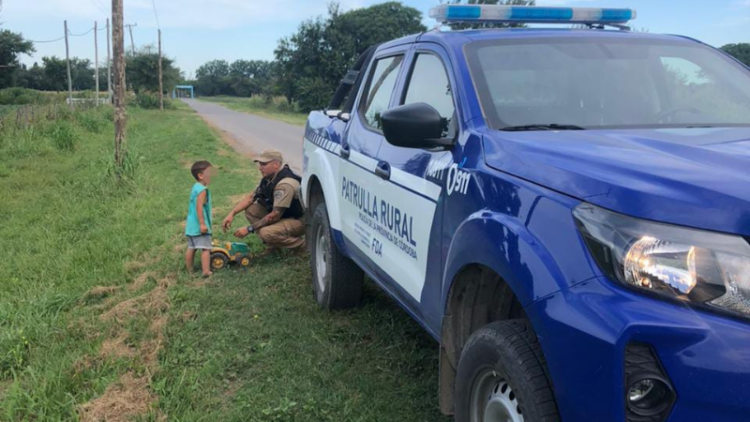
point(80, 35)
point(158, 25)
point(46, 41)
point(99, 6)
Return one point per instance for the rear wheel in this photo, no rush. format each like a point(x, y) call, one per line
point(337, 280)
point(244, 261)
point(502, 377)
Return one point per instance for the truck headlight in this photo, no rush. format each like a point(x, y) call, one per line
point(701, 268)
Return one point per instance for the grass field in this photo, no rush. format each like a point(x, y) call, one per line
point(98, 318)
point(278, 109)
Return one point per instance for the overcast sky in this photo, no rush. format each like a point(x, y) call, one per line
point(195, 31)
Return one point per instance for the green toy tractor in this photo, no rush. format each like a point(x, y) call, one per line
point(224, 253)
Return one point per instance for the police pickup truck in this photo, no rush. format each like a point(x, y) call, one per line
point(567, 211)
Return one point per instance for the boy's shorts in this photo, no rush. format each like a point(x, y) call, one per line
point(199, 242)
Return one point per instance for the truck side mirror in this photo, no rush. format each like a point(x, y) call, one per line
point(416, 125)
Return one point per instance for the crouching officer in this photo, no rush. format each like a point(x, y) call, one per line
point(274, 211)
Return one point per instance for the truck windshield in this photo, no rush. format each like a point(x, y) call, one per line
point(607, 82)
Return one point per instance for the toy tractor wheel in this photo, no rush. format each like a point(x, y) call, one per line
point(244, 261)
point(219, 261)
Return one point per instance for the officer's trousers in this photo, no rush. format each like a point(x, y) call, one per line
point(284, 234)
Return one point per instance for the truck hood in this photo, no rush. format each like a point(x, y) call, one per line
point(693, 177)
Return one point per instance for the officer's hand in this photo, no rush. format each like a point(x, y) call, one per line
point(227, 223)
point(241, 232)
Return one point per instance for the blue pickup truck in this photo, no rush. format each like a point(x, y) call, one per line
point(565, 210)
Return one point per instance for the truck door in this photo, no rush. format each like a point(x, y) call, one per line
point(415, 186)
point(360, 173)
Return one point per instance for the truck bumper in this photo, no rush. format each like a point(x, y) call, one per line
point(585, 330)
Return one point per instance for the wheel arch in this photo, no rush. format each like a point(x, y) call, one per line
point(317, 185)
point(494, 268)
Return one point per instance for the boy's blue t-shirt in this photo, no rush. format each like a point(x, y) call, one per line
point(193, 226)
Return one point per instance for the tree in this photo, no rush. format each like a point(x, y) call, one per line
point(299, 56)
point(12, 45)
point(312, 61)
point(142, 71)
point(461, 25)
point(249, 77)
point(211, 77)
point(82, 73)
point(32, 77)
point(55, 74)
point(740, 51)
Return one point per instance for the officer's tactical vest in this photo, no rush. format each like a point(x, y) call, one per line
point(264, 194)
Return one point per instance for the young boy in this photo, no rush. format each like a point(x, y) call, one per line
point(198, 227)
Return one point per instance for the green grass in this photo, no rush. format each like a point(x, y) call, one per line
point(247, 346)
point(278, 108)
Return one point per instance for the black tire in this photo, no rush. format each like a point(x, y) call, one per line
point(219, 261)
point(337, 280)
point(505, 354)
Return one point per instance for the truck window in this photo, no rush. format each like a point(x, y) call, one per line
point(608, 82)
point(701, 90)
point(379, 89)
point(429, 84)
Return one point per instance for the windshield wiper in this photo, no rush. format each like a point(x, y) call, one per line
point(542, 127)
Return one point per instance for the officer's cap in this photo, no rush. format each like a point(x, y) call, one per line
point(268, 155)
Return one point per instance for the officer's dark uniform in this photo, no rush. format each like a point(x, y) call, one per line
point(281, 192)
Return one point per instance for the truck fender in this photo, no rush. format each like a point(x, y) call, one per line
point(502, 243)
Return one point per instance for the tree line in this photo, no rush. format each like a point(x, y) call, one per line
point(310, 63)
point(51, 73)
point(307, 66)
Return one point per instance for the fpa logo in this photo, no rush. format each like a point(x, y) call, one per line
point(458, 180)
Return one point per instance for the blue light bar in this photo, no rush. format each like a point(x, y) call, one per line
point(446, 13)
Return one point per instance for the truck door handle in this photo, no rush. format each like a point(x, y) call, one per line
point(383, 170)
point(345, 151)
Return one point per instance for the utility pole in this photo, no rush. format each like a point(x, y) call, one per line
point(96, 61)
point(119, 83)
point(132, 44)
point(161, 86)
point(67, 59)
point(109, 70)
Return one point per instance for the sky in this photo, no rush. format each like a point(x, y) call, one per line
point(196, 31)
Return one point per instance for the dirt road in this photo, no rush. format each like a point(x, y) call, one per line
point(253, 133)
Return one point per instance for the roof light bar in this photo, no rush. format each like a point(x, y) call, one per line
point(446, 13)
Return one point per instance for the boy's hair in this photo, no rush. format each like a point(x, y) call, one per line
point(199, 167)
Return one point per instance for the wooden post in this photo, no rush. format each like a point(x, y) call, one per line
point(130, 29)
point(67, 60)
point(96, 61)
point(161, 84)
point(109, 69)
point(118, 49)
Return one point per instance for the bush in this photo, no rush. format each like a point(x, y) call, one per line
point(108, 114)
point(25, 96)
point(150, 101)
point(91, 120)
point(20, 96)
point(63, 136)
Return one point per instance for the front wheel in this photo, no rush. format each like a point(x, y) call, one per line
point(219, 261)
point(337, 280)
point(502, 377)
